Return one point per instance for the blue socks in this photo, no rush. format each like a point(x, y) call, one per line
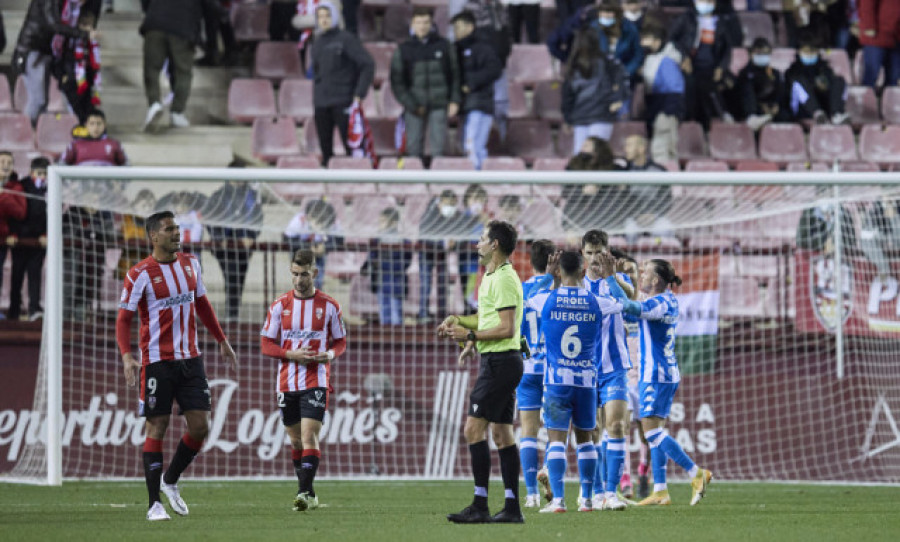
point(556, 468)
point(528, 453)
point(615, 462)
point(587, 468)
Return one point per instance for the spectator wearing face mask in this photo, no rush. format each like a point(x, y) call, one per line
point(761, 88)
point(816, 92)
point(663, 92)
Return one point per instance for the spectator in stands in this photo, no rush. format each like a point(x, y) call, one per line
point(761, 88)
point(585, 205)
point(315, 228)
point(493, 22)
point(90, 231)
point(36, 45)
point(134, 232)
point(618, 36)
point(28, 238)
point(2, 41)
point(97, 148)
point(824, 20)
point(388, 261)
point(880, 236)
point(565, 9)
point(816, 92)
point(441, 220)
point(705, 36)
point(216, 22)
point(425, 80)
point(479, 67)
point(879, 33)
point(233, 216)
point(663, 92)
point(815, 231)
point(475, 218)
point(525, 13)
point(509, 209)
point(12, 206)
point(594, 89)
point(635, 12)
point(645, 206)
point(77, 68)
point(281, 15)
point(171, 30)
point(343, 72)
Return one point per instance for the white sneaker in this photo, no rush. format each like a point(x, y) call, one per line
point(613, 503)
point(533, 501)
point(304, 501)
point(153, 115)
point(556, 506)
point(840, 118)
point(157, 513)
point(586, 505)
point(174, 497)
point(180, 121)
point(597, 501)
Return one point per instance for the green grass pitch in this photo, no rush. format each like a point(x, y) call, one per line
point(414, 511)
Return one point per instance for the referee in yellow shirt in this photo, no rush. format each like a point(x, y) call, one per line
point(494, 332)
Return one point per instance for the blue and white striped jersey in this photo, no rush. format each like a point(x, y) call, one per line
point(659, 316)
point(613, 352)
point(531, 324)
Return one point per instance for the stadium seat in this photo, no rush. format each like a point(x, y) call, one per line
point(298, 162)
point(395, 24)
point(782, 143)
point(273, 137)
point(622, 131)
point(807, 166)
point(311, 139)
point(296, 192)
point(16, 133)
point(56, 102)
point(756, 24)
point(54, 132)
point(755, 165)
point(370, 106)
point(705, 165)
point(645, 244)
point(547, 100)
point(828, 143)
point(550, 164)
point(22, 161)
point(739, 59)
point(862, 106)
point(6, 103)
point(367, 25)
point(880, 145)
point(441, 18)
point(890, 105)
point(528, 64)
point(390, 107)
point(518, 107)
point(250, 98)
point(277, 60)
point(503, 163)
point(407, 162)
point(840, 63)
point(384, 135)
point(671, 165)
point(381, 52)
point(295, 99)
point(859, 167)
point(782, 58)
point(529, 139)
point(732, 142)
point(691, 141)
point(350, 162)
point(452, 163)
point(250, 21)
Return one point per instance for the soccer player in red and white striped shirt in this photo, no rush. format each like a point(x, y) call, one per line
point(305, 330)
point(167, 291)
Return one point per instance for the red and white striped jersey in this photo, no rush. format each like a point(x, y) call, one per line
point(164, 294)
point(315, 322)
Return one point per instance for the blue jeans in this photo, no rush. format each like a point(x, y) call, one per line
point(478, 128)
point(873, 60)
point(501, 104)
point(390, 308)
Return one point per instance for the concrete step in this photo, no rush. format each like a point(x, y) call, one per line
point(194, 146)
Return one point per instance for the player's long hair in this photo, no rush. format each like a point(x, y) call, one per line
point(666, 272)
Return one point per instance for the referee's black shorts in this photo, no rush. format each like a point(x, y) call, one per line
point(494, 395)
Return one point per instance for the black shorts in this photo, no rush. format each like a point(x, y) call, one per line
point(295, 405)
point(183, 380)
point(494, 395)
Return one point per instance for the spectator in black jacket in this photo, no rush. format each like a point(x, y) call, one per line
point(88, 231)
point(2, 34)
point(761, 88)
point(479, 68)
point(492, 21)
point(34, 48)
point(171, 30)
point(29, 242)
point(816, 92)
point(343, 72)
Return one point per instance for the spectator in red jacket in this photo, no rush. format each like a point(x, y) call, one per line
point(97, 149)
point(12, 206)
point(879, 34)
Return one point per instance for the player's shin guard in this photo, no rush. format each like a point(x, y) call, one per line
point(509, 469)
point(677, 453)
point(556, 468)
point(658, 458)
point(309, 464)
point(187, 450)
point(528, 452)
point(153, 460)
point(480, 454)
point(587, 468)
point(615, 461)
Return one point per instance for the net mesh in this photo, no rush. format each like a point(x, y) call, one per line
point(760, 399)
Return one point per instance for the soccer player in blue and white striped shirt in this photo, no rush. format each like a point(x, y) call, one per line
point(660, 377)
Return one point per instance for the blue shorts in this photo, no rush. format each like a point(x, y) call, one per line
point(612, 387)
point(656, 399)
point(530, 392)
point(563, 404)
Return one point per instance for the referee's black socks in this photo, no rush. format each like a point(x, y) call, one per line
point(481, 471)
point(510, 465)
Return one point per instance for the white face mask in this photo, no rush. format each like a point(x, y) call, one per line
point(705, 8)
point(632, 15)
point(447, 210)
point(476, 207)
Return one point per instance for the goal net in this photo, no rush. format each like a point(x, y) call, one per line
point(788, 338)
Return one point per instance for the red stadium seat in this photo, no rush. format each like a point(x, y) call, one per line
point(277, 60)
point(250, 21)
point(691, 141)
point(622, 131)
point(756, 24)
point(381, 52)
point(16, 133)
point(6, 103)
point(503, 163)
point(54, 132)
point(671, 165)
point(806, 166)
point(273, 137)
point(529, 139)
point(370, 106)
point(840, 63)
point(295, 99)
point(550, 164)
point(879, 145)
point(56, 102)
point(408, 162)
point(22, 161)
point(782, 58)
point(782, 143)
point(390, 107)
point(384, 135)
point(250, 98)
point(395, 24)
point(367, 26)
point(518, 107)
point(862, 106)
point(890, 105)
point(452, 163)
point(705, 165)
point(298, 162)
point(296, 192)
point(528, 64)
point(755, 165)
point(349, 162)
point(732, 142)
point(547, 100)
point(828, 143)
point(859, 167)
point(739, 59)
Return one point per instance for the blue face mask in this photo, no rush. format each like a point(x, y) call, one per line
point(704, 8)
point(761, 61)
point(809, 60)
point(607, 21)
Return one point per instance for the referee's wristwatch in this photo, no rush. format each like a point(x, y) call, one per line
point(471, 336)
